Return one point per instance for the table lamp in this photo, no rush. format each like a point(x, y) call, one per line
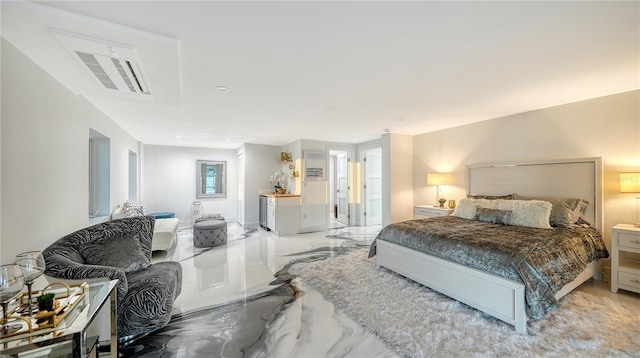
point(437, 179)
point(630, 183)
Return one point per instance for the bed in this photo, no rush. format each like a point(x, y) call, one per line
point(499, 280)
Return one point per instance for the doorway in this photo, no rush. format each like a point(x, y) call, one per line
point(339, 189)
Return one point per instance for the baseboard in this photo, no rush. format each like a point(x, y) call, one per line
point(251, 226)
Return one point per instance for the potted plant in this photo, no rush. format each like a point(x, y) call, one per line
point(45, 301)
point(279, 181)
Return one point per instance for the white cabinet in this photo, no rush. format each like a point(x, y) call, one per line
point(625, 258)
point(283, 214)
point(271, 215)
point(430, 211)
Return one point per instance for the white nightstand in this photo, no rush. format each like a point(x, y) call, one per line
point(429, 211)
point(625, 270)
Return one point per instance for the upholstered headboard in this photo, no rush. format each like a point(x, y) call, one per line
point(557, 178)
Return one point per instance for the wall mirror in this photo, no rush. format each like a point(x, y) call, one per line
point(211, 179)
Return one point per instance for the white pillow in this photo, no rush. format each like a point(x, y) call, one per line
point(529, 213)
point(466, 208)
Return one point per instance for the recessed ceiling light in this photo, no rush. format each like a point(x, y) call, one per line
point(387, 130)
point(222, 89)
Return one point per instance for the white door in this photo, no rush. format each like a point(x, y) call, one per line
point(373, 187)
point(342, 188)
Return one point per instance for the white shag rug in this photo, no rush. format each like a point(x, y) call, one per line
point(415, 321)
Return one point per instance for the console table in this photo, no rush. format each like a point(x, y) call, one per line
point(71, 333)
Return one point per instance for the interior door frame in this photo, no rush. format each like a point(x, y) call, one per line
point(343, 218)
point(351, 153)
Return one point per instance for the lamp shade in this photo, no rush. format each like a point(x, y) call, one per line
point(437, 179)
point(630, 182)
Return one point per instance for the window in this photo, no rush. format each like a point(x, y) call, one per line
point(99, 174)
point(210, 179)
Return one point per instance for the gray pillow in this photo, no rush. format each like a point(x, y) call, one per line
point(467, 207)
point(123, 252)
point(493, 216)
point(565, 212)
point(492, 197)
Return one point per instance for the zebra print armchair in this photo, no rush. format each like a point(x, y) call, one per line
point(121, 249)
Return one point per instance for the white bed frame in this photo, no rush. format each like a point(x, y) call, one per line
point(496, 296)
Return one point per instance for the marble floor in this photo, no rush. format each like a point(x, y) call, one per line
point(238, 300)
point(234, 297)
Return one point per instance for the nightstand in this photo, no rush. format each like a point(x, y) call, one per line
point(625, 258)
point(430, 211)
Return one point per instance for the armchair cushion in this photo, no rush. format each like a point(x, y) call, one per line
point(122, 252)
point(152, 290)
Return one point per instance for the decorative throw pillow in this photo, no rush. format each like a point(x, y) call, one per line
point(529, 213)
point(566, 212)
point(493, 216)
point(124, 253)
point(211, 216)
point(492, 197)
point(133, 208)
point(466, 209)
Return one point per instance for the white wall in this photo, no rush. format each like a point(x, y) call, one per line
point(45, 141)
point(169, 182)
point(397, 167)
point(607, 127)
point(261, 162)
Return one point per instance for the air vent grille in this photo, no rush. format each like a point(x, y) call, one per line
point(92, 63)
point(115, 66)
point(125, 77)
point(117, 77)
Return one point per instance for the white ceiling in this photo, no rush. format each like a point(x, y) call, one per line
point(335, 71)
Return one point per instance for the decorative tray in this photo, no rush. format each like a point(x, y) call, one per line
point(66, 299)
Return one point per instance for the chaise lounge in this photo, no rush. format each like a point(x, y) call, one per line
point(121, 249)
point(164, 234)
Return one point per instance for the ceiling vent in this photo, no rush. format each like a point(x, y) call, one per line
point(115, 66)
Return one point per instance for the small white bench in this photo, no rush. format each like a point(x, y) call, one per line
point(164, 233)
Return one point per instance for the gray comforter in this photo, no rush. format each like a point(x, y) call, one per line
point(543, 259)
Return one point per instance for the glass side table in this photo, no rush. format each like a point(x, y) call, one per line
point(73, 328)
